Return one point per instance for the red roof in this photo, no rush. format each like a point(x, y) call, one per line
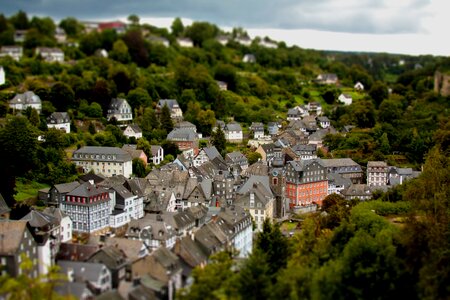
point(111, 25)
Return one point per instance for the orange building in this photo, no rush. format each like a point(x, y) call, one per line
point(306, 183)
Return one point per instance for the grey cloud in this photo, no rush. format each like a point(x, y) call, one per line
point(363, 16)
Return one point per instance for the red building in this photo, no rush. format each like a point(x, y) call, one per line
point(306, 183)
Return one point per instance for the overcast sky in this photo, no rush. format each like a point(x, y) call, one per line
point(396, 26)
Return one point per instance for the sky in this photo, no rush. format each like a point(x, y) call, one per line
point(394, 26)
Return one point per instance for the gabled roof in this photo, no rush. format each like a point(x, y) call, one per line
point(11, 231)
point(26, 98)
point(182, 134)
point(155, 149)
point(82, 270)
point(116, 103)
point(3, 206)
point(258, 180)
point(212, 152)
point(110, 256)
point(55, 212)
point(39, 219)
point(64, 188)
point(259, 168)
point(60, 117)
point(376, 164)
point(87, 190)
point(121, 155)
point(339, 162)
point(135, 128)
point(171, 103)
point(167, 259)
point(190, 252)
point(233, 126)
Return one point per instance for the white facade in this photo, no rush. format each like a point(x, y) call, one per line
point(120, 110)
point(234, 136)
point(346, 99)
point(62, 126)
point(359, 86)
point(2, 75)
point(66, 229)
point(50, 54)
point(132, 132)
point(243, 240)
point(108, 161)
point(16, 52)
point(157, 154)
point(184, 42)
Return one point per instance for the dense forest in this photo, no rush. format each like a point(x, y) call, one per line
point(394, 247)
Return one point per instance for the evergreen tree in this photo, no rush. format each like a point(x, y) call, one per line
point(165, 119)
point(218, 139)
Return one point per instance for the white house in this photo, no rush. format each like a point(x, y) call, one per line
point(249, 58)
point(59, 120)
point(65, 223)
point(233, 133)
point(2, 75)
point(185, 42)
point(133, 130)
point(324, 122)
point(345, 98)
point(25, 100)
point(159, 40)
point(50, 54)
point(107, 161)
point(174, 107)
point(120, 110)
point(359, 86)
point(157, 154)
point(244, 40)
point(16, 52)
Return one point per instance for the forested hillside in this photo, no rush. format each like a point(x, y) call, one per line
point(395, 247)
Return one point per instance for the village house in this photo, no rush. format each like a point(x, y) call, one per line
point(223, 86)
point(377, 173)
point(400, 175)
point(60, 121)
point(327, 79)
point(16, 240)
point(15, 52)
point(2, 76)
point(23, 101)
point(257, 128)
point(159, 40)
point(346, 99)
point(223, 39)
point(237, 161)
point(273, 127)
point(268, 44)
point(60, 35)
point(306, 182)
point(358, 86)
point(185, 125)
point(120, 110)
point(114, 260)
point(118, 26)
point(135, 153)
point(50, 54)
point(205, 154)
point(152, 231)
point(184, 139)
point(133, 130)
point(249, 58)
point(357, 191)
point(256, 197)
point(157, 154)
point(324, 122)
point(20, 35)
point(244, 40)
point(175, 110)
point(233, 132)
point(305, 152)
point(346, 167)
point(185, 42)
point(89, 206)
point(337, 183)
point(107, 161)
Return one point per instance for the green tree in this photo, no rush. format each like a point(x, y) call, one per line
point(136, 47)
point(44, 26)
point(18, 153)
point(71, 26)
point(199, 32)
point(139, 168)
point(119, 52)
point(218, 139)
point(385, 147)
point(254, 278)
point(253, 157)
point(378, 93)
point(177, 27)
point(62, 96)
point(165, 119)
point(330, 95)
point(34, 118)
point(20, 20)
point(133, 19)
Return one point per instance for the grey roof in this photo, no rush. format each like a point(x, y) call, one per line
point(185, 124)
point(257, 126)
point(96, 178)
point(235, 156)
point(82, 270)
point(55, 212)
point(115, 104)
point(356, 190)
point(73, 289)
point(169, 102)
point(26, 98)
point(155, 149)
point(212, 152)
point(135, 128)
point(190, 252)
point(339, 162)
point(258, 168)
point(96, 152)
point(12, 231)
point(233, 126)
point(182, 134)
point(47, 50)
point(110, 256)
point(39, 219)
point(210, 237)
point(301, 148)
point(255, 179)
point(337, 179)
point(293, 111)
point(59, 117)
point(3, 206)
point(323, 119)
point(64, 188)
point(87, 190)
point(167, 259)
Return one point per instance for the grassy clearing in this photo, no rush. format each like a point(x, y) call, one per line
point(28, 189)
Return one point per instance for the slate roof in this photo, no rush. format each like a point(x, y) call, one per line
point(155, 149)
point(182, 134)
point(337, 179)
point(190, 252)
point(376, 164)
point(339, 162)
point(233, 126)
point(3, 206)
point(82, 270)
point(135, 128)
point(11, 231)
point(26, 98)
point(255, 179)
point(110, 256)
point(97, 178)
point(235, 156)
point(169, 102)
point(64, 188)
point(258, 168)
point(87, 190)
point(76, 252)
point(59, 117)
point(212, 152)
point(39, 219)
point(72, 289)
point(115, 104)
point(121, 155)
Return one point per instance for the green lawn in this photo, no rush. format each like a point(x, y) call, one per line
point(28, 189)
